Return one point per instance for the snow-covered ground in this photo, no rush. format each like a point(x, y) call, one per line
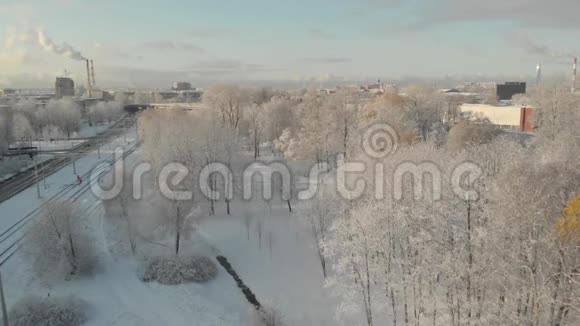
point(91, 131)
point(281, 266)
point(117, 297)
point(282, 269)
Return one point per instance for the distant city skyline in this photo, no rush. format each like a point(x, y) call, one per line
point(153, 43)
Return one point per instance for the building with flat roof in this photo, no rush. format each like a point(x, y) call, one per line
point(509, 89)
point(64, 86)
point(182, 86)
point(506, 117)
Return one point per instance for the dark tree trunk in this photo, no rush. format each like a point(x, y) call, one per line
point(177, 231)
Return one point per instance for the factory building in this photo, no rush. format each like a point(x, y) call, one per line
point(506, 91)
point(182, 86)
point(64, 87)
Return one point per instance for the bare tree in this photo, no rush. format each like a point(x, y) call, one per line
point(324, 210)
point(6, 130)
point(423, 110)
point(281, 115)
point(256, 118)
point(22, 128)
point(248, 222)
point(63, 113)
point(229, 101)
point(466, 134)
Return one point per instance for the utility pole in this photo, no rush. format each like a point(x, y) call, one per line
point(36, 176)
point(3, 303)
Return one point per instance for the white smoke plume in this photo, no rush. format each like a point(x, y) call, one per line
point(533, 47)
point(47, 44)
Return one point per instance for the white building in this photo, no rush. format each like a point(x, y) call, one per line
point(507, 117)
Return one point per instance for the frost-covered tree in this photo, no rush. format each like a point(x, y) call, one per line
point(5, 134)
point(123, 214)
point(104, 112)
point(557, 111)
point(60, 242)
point(465, 134)
point(63, 113)
point(22, 129)
point(31, 111)
point(325, 208)
point(256, 117)
point(192, 140)
point(52, 132)
point(229, 101)
point(281, 115)
point(423, 110)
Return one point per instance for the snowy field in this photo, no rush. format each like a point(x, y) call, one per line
point(282, 268)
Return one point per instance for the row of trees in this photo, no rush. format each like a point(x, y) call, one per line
point(304, 125)
point(27, 120)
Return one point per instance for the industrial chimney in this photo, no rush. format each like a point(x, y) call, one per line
point(539, 74)
point(90, 87)
point(574, 75)
point(93, 74)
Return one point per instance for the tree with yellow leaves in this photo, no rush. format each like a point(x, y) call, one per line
point(569, 226)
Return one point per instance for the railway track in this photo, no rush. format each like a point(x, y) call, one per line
point(13, 237)
point(24, 180)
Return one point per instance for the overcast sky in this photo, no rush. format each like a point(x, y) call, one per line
point(152, 43)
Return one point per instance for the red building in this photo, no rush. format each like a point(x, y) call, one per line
point(527, 120)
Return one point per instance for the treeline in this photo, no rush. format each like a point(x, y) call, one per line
point(506, 252)
point(27, 120)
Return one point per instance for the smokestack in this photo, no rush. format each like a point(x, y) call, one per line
point(90, 87)
point(539, 74)
point(574, 75)
point(93, 74)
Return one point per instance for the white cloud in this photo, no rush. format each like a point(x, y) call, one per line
point(166, 45)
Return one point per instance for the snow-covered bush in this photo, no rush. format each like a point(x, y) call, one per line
point(35, 311)
point(266, 316)
point(179, 270)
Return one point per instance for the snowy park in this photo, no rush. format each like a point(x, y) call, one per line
point(280, 208)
